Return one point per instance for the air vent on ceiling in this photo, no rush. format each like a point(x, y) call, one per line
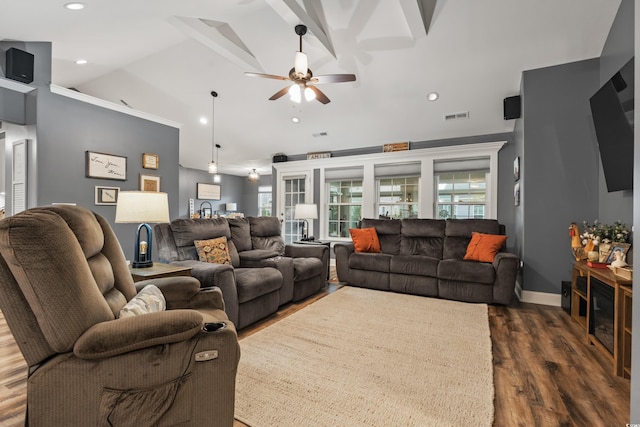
point(315, 135)
point(456, 116)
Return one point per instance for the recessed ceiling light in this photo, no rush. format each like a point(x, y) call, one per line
point(74, 6)
point(81, 61)
point(203, 120)
point(295, 119)
point(432, 96)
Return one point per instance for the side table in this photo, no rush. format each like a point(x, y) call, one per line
point(158, 270)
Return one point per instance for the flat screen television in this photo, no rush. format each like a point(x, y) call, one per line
point(612, 110)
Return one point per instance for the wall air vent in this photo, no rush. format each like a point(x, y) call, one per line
point(316, 135)
point(456, 116)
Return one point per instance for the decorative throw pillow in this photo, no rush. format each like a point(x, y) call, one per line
point(213, 250)
point(365, 239)
point(148, 300)
point(484, 247)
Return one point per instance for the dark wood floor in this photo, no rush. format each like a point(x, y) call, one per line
point(544, 372)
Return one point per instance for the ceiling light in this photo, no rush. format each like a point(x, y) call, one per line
point(74, 6)
point(309, 94)
point(432, 96)
point(81, 61)
point(204, 120)
point(295, 119)
point(300, 63)
point(295, 93)
point(254, 176)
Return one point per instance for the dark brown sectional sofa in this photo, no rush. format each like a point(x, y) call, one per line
point(425, 257)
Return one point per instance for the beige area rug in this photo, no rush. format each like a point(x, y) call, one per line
point(360, 357)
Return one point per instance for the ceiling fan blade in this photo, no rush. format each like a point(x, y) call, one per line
point(266, 76)
point(334, 78)
point(319, 95)
point(279, 93)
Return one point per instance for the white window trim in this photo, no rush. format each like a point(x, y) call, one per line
point(427, 156)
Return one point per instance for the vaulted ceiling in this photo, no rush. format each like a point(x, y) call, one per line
point(164, 57)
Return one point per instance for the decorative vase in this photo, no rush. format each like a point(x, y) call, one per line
point(593, 256)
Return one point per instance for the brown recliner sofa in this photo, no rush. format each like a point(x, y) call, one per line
point(426, 257)
point(264, 273)
point(63, 282)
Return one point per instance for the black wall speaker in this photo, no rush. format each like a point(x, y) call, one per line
point(512, 107)
point(279, 158)
point(19, 65)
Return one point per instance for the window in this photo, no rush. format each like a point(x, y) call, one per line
point(345, 206)
point(264, 200)
point(294, 193)
point(461, 194)
point(398, 197)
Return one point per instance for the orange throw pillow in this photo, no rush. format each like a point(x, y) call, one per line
point(365, 239)
point(484, 247)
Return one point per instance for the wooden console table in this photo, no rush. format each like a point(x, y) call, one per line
point(581, 312)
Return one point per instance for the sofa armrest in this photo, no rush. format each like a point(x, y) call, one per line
point(185, 292)
point(119, 336)
point(506, 265)
point(322, 252)
point(342, 252)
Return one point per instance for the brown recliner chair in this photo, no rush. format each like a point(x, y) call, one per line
point(63, 282)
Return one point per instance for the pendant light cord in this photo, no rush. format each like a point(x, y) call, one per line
point(214, 94)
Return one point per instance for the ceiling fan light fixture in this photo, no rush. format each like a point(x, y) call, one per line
point(295, 94)
point(300, 64)
point(309, 94)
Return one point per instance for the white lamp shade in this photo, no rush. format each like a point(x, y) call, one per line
point(306, 211)
point(232, 207)
point(142, 206)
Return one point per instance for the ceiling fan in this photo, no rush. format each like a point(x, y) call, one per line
point(303, 79)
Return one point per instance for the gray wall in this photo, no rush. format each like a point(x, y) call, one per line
point(231, 191)
point(559, 168)
point(62, 129)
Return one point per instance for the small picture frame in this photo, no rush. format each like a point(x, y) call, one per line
point(516, 194)
point(149, 182)
point(618, 250)
point(208, 191)
point(106, 195)
point(150, 161)
point(516, 168)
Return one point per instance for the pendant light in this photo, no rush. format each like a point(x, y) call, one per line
point(254, 176)
point(217, 178)
point(213, 166)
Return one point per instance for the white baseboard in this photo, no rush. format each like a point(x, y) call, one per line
point(543, 298)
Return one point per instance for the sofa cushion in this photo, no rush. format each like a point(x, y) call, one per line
point(213, 250)
point(368, 261)
point(458, 234)
point(306, 268)
point(233, 254)
point(240, 233)
point(185, 231)
point(422, 237)
point(256, 282)
point(466, 271)
point(417, 265)
point(254, 257)
point(484, 247)
point(265, 233)
point(365, 240)
point(388, 231)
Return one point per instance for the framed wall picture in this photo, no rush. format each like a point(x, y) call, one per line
point(208, 191)
point(516, 168)
point(516, 194)
point(149, 182)
point(150, 161)
point(106, 166)
point(106, 195)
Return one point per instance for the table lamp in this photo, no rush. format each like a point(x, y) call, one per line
point(142, 207)
point(306, 211)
